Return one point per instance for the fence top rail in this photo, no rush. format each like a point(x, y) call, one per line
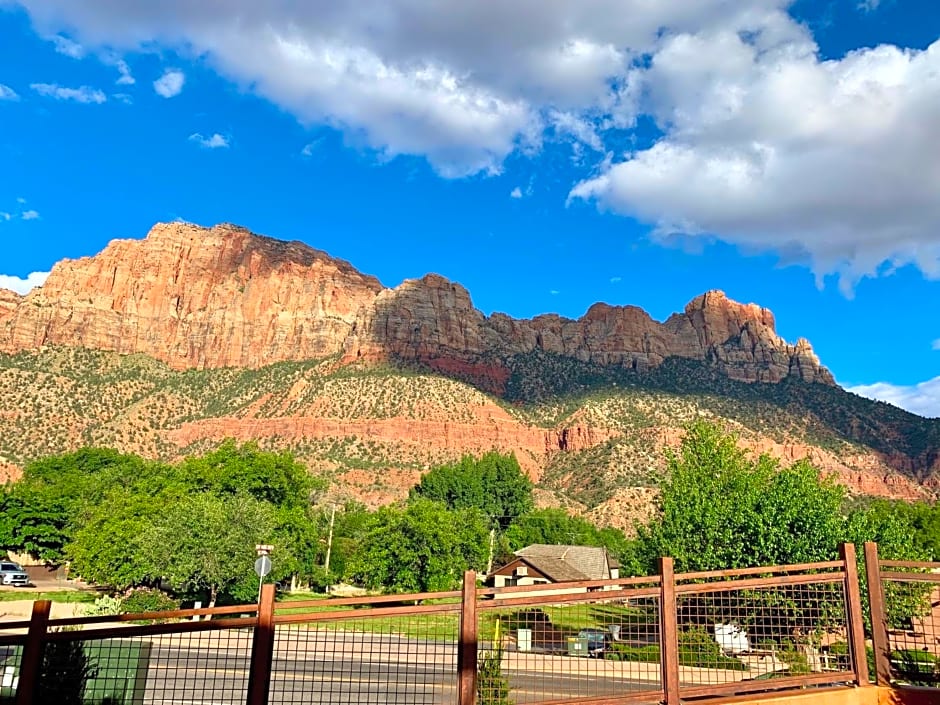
point(377, 613)
point(767, 582)
point(331, 602)
point(132, 630)
point(900, 576)
point(624, 583)
point(761, 570)
point(778, 686)
point(144, 616)
point(567, 598)
point(910, 564)
point(19, 624)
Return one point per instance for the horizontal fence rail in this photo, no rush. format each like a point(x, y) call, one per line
point(649, 639)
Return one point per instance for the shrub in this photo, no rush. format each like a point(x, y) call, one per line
point(147, 600)
point(66, 670)
point(104, 605)
point(915, 667)
point(698, 648)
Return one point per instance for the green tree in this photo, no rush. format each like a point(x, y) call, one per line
point(423, 548)
point(556, 526)
point(723, 508)
point(207, 543)
point(276, 478)
point(493, 483)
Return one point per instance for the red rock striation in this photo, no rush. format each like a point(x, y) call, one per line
point(198, 297)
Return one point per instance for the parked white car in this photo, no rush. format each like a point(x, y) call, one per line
point(13, 574)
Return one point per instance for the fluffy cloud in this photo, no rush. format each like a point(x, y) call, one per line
point(832, 163)
point(216, 141)
point(763, 145)
point(83, 94)
point(30, 215)
point(516, 193)
point(462, 84)
point(936, 344)
point(20, 285)
point(7, 93)
point(922, 399)
point(170, 84)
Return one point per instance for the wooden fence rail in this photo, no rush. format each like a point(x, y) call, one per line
point(252, 645)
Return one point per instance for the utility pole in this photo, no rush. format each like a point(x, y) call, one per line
point(329, 541)
point(489, 561)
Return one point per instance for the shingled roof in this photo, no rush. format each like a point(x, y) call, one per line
point(567, 563)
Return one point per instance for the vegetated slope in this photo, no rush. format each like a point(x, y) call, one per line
point(589, 433)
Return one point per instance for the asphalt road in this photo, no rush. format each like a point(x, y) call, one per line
point(369, 668)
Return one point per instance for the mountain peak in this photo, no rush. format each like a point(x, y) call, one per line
point(197, 297)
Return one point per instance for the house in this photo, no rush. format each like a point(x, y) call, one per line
point(544, 564)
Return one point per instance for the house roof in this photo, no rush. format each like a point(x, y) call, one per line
point(567, 563)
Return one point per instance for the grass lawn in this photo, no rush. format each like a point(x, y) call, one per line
point(54, 596)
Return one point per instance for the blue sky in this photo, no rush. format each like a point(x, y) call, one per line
point(545, 154)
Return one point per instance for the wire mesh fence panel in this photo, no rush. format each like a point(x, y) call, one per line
point(407, 658)
point(208, 666)
point(912, 616)
point(763, 634)
point(11, 654)
point(569, 649)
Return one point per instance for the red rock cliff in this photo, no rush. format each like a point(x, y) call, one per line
point(221, 296)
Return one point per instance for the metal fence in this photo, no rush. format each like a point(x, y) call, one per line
point(905, 615)
point(659, 638)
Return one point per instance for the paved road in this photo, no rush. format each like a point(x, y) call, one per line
point(336, 667)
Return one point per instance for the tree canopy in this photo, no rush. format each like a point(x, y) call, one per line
point(721, 507)
point(493, 483)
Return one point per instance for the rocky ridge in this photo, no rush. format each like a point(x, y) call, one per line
point(207, 298)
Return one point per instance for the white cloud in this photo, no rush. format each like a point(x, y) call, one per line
point(7, 93)
point(20, 200)
point(5, 216)
point(868, 5)
point(462, 84)
point(67, 46)
point(516, 193)
point(170, 84)
point(311, 147)
point(936, 344)
point(83, 94)
point(616, 280)
point(125, 77)
point(30, 215)
point(20, 285)
point(829, 163)
point(922, 399)
point(216, 141)
point(764, 146)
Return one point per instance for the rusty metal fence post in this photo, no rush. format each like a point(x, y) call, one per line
point(262, 649)
point(879, 618)
point(855, 618)
point(467, 646)
point(669, 631)
point(31, 662)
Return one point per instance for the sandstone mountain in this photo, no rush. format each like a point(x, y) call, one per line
point(194, 297)
point(166, 345)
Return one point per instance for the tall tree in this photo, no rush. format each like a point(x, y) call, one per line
point(207, 542)
point(493, 483)
point(422, 548)
point(723, 508)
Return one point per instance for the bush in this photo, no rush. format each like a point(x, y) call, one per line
point(696, 648)
point(104, 605)
point(915, 667)
point(66, 670)
point(147, 600)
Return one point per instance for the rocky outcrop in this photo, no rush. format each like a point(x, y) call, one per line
point(216, 297)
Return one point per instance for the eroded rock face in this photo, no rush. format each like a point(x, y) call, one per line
point(215, 297)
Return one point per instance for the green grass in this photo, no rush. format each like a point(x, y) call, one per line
point(83, 596)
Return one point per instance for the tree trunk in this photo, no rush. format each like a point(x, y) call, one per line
point(213, 594)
